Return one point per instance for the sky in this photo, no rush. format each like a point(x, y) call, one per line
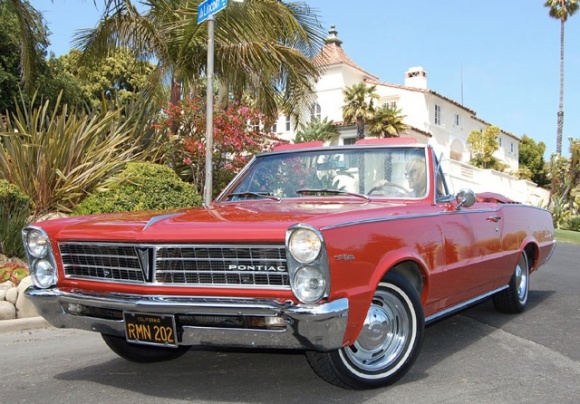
point(499, 58)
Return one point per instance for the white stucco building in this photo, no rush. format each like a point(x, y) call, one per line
point(432, 118)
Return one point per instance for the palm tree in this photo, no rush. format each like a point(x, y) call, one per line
point(262, 47)
point(561, 10)
point(317, 130)
point(33, 36)
point(388, 122)
point(359, 106)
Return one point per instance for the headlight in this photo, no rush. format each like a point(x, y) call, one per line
point(36, 243)
point(43, 273)
point(309, 284)
point(304, 245)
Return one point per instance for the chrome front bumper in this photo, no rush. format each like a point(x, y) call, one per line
point(315, 327)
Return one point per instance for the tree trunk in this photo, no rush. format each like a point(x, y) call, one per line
point(360, 128)
point(561, 106)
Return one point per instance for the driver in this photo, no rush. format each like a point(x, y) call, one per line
point(415, 174)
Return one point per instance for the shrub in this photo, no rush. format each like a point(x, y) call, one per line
point(571, 223)
point(15, 210)
point(13, 272)
point(141, 186)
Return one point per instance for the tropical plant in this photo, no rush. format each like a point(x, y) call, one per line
point(317, 129)
point(561, 10)
point(565, 190)
point(262, 47)
point(388, 122)
point(32, 34)
point(359, 106)
point(141, 186)
point(57, 158)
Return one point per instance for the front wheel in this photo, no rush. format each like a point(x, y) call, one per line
point(142, 353)
point(387, 345)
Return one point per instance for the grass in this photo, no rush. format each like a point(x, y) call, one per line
point(567, 236)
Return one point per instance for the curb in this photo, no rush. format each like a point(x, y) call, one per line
point(22, 324)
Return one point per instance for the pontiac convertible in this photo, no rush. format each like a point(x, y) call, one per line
point(343, 252)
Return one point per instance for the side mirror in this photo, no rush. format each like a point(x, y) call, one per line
point(465, 198)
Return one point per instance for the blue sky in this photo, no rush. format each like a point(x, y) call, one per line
point(500, 58)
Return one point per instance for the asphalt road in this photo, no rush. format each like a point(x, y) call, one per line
point(478, 356)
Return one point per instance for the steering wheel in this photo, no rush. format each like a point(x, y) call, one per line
point(399, 188)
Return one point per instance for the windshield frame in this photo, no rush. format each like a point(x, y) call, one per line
point(420, 150)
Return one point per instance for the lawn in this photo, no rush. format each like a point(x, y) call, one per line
point(567, 236)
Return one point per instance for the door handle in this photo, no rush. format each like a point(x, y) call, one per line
point(494, 219)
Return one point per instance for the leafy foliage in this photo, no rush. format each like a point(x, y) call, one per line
point(359, 106)
point(57, 158)
point(235, 139)
point(141, 186)
point(388, 122)
point(565, 190)
point(531, 161)
point(15, 210)
point(262, 47)
point(317, 130)
point(483, 144)
point(118, 77)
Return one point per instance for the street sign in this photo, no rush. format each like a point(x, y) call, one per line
point(209, 7)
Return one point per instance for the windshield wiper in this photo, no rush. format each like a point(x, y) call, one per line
point(331, 191)
point(266, 195)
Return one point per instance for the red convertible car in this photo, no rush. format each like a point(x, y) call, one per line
point(345, 253)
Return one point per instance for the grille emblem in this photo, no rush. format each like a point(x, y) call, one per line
point(146, 260)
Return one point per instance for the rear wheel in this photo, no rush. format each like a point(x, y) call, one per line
point(515, 298)
point(387, 345)
point(142, 353)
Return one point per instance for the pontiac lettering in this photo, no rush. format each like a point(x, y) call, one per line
point(258, 268)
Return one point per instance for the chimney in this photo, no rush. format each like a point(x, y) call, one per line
point(416, 77)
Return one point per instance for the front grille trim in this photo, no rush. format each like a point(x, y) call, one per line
point(177, 265)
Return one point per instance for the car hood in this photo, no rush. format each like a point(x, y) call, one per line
point(256, 221)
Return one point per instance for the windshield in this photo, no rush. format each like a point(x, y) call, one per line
point(389, 172)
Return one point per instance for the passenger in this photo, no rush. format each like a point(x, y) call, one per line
point(415, 174)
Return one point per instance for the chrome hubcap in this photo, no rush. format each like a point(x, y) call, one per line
point(521, 282)
point(385, 334)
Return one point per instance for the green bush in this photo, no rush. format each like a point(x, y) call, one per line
point(15, 210)
point(572, 223)
point(141, 186)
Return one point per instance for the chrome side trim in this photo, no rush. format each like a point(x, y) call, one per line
point(454, 309)
point(401, 217)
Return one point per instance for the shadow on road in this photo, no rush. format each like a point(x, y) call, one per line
point(272, 376)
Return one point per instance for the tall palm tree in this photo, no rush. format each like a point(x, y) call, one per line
point(262, 47)
point(388, 122)
point(33, 35)
point(561, 10)
point(359, 106)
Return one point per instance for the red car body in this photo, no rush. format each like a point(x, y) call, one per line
point(386, 265)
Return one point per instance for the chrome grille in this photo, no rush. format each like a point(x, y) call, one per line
point(179, 265)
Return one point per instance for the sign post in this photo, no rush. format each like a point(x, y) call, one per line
point(206, 11)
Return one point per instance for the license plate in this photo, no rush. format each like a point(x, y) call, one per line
point(150, 329)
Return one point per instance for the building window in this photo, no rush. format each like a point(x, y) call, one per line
point(499, 141)
point(512, 147)
point(437, 114)
point(315, 113)
point(456, 120)
point(288, 126)
point(348, 141)
point(275, 127)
